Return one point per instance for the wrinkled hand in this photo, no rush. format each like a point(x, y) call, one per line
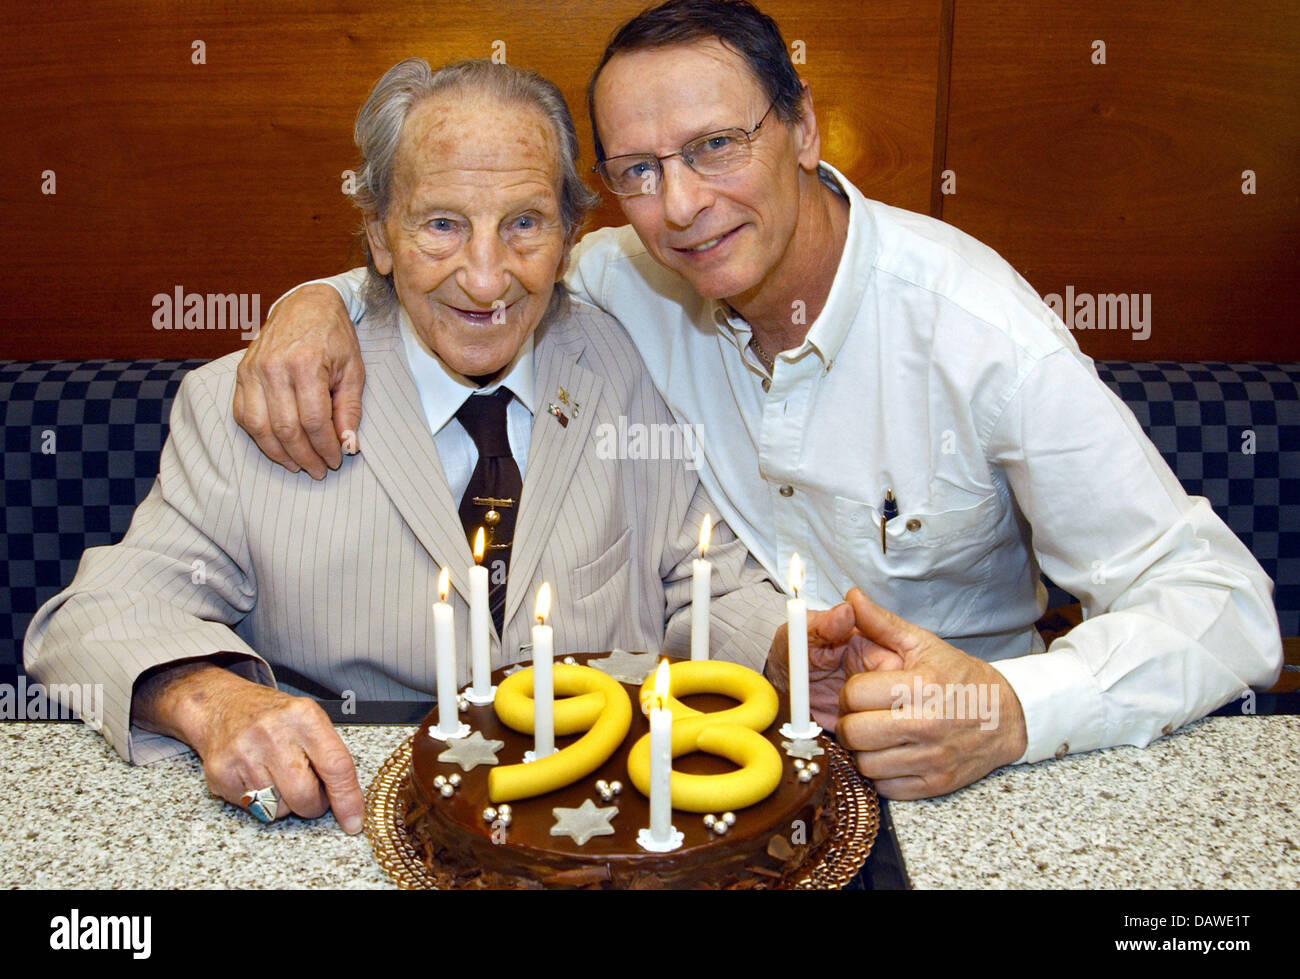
point(306, 354)
point(910, 755)
point(251, 736)
point(836, 651)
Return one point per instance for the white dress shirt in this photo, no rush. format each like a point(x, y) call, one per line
point(442, 392)
point(936, 372)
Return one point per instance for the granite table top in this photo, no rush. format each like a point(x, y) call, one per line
point(1215, 805)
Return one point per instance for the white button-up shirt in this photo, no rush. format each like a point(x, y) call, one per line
point(935, 372)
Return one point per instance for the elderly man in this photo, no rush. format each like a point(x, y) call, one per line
point(488, 391)
point(884, 396)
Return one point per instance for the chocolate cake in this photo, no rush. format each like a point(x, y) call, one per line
point(765, 846)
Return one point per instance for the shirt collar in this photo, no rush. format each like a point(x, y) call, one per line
point(829, 330)
point(442, 390)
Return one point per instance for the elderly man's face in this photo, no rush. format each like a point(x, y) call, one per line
point(724, 234)
point(473, 235)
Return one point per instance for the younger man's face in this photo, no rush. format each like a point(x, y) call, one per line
point(724, 234)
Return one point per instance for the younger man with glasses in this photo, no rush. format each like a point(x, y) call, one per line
point(887, 398)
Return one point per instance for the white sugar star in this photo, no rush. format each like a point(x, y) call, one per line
point(471, 752)
point(583, 823)
point(802, 748)
point(625, 666)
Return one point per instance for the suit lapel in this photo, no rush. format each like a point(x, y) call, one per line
point(554, 451)
point(398, 448)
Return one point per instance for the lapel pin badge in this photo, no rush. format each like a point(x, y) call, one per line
point(566, 400)
point(560, 416)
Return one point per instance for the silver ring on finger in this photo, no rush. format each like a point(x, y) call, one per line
point(261, 803)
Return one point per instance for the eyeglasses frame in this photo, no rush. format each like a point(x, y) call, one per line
point(749, 141)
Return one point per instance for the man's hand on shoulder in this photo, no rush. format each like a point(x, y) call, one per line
point(298, 388)
point(967, 722)
point(251, 736)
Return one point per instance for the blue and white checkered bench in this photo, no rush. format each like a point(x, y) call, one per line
point(82, 439)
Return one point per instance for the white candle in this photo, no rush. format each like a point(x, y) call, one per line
point(796, 610)
point(661, 761)
point(701, 573)
point(543, 678)
point(444, 651)
point(480, 649)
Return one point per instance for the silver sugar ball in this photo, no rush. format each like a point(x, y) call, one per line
point(439, 781)
point(570, 660)
point(720, 827)
point(447, 790)
point(489, 815)
point(799, 763)
point(601, 785)
point(503, 818)
point(616, 786)
point(805, 775)
point(814, 767)
point(606, 795)
point(729, 818)
point(504, 811)
point(454, 779)
point(710, 820)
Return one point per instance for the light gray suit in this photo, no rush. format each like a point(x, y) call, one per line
point(335, 580)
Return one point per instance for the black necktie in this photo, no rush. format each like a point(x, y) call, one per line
point(491, 499)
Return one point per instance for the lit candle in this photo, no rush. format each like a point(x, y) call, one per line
point(701, 572)
point(444, 652)
point(796, 609)
point(480, 650)
point(543, 678)
point(661, 836)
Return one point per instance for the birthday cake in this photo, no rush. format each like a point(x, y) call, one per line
point(586, 833)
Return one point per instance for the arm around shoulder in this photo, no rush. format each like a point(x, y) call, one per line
point(298, 387)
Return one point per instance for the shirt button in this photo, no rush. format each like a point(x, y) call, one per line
point(767, 384)
point(914, 525)
point(787, 490)
point(1062, 751)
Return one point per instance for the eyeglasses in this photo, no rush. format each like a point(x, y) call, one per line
point(709, 155)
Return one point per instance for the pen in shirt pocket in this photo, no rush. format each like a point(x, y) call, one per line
point(888, 511)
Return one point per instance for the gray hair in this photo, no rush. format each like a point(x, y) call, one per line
point(378, 133)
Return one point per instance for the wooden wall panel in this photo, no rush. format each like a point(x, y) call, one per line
point(225, 177)
point(1127, 176)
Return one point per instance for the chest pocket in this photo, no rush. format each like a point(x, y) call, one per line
point(934, 539)
point(605, 569)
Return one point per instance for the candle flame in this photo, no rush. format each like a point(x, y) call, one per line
point(661, 686)
point(480, 545)
point(543, 603)
point(706, 531)
point(444, 585)
point(796, 574)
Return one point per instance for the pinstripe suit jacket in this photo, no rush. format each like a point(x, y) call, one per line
point(335, 580)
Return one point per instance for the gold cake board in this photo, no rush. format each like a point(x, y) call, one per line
point(857, 813)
